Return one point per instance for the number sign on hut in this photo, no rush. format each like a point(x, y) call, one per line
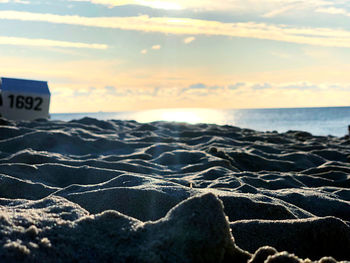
point(22, 99)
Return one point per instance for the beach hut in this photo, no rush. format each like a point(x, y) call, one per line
point(22, 99)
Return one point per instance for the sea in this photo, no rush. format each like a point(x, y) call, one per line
point(324, 121)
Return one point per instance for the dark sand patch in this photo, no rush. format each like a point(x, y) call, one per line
point(119, 191)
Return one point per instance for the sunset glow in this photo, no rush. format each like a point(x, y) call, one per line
point(188, 115)
point(104, 55)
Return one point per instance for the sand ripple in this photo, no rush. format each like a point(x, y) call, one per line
point(120, 191)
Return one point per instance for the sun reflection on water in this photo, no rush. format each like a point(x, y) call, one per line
point(187, 115)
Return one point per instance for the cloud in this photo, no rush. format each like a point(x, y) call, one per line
point(279, 7)
point(111, 90)
point(20, 41)
point(236, 86)
point(202, 94)
point(326, 37)
point(188, 40)
point(279, 11)
point(261, 86)
point(22, 2)
point(136, 92)
point(167, 5)
point(200, 89)
point(333, 11)
point(197, 86)
point(106, 92)
point(84, 92)
point(215, 87)
point(15, 1)
point(213, 5)
point(301, 86)
point(156, 47)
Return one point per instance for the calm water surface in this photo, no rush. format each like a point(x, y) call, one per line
point(318, 121)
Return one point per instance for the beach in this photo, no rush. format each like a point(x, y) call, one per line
point(92, 190)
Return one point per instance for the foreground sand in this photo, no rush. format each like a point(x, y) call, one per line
point(120, 191)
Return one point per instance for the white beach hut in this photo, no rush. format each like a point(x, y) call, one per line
point(22, 99)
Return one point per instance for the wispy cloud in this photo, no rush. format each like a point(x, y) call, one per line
point(279, 7)
point(236, 86)
point(188, 40)
point(261, 86)
point(156, 47)
point(200, 89)
point(113, 91)
point(279, 11)
point(333, 11)
point(22, 2)
point(20, 41)
point(14, 1)
point(84, 92)
point(286, 95)
point(173, 5)
point(185, 26)
point(301, 86)
point(235, 5)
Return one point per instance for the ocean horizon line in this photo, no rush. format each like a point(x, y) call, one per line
point(315, 120)
point(207, 108)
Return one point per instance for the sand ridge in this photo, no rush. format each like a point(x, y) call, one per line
point(120, 191)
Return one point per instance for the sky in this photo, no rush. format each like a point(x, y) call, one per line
point(110, 55)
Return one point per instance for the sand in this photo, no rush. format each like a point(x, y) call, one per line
point(120, 191)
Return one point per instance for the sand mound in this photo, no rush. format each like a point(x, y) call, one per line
point(57, 230)
point(119, 191)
